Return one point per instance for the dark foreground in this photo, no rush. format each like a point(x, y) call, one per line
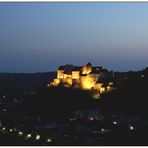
point(35, 116)
point(94, 129)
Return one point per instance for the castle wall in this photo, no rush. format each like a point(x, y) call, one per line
point(60, 74)
point(56, 82)
point(65, 77)
point(98, 86)
point(69, 81)
point(87, 82)
point(75, 74)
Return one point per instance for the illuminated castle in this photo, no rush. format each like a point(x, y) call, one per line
point(84, 77)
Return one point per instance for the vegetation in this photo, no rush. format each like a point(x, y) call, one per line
point(55, 102)
point(130, 97)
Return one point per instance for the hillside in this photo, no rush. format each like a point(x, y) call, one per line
point(25, 80)
point(130, 97)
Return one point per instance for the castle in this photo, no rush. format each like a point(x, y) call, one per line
point(84, 77)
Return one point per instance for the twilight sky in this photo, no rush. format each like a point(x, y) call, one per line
point(38, 37)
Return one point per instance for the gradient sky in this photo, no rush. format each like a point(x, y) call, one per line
point(38, 37)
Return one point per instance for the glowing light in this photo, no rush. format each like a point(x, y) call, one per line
point(131, 128)
point(75, 74)
point(60, 74)
point(3, 128)
point(56, 82)
point(69, 81)
point(98, 86)
point(103, 130)
point(4, 110)
point(86, 69)
point(96, 96)
point(114, 122)
point(91, 118)
point(108, 88)
point(37, 137)
point(142, 76)
point(10, 130)
point(87, 82)
point(49, 140)
point(72, 119)
point(102, 89)
point(110, 83)
point(20, 133)
point(65, 77)
point(29, 136)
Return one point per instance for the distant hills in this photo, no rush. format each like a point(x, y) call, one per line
point(25, 80)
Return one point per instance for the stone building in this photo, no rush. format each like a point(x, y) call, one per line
point(83, 77)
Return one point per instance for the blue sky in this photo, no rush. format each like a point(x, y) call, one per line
point(38, 37)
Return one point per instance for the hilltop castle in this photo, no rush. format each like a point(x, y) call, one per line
point(84, 77)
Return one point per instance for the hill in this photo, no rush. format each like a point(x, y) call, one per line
point(25, 80)
point(130, 97)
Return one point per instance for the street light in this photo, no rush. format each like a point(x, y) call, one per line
point(10, 130)
point(114, 122)
point(20, 133)
point(103, 130)
point(49, 140)
point(131, 128)
point(37, 137)
point(29, 136)
point(3, 128)
point(91, 118)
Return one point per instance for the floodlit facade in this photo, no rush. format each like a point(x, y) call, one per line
point(85, 77)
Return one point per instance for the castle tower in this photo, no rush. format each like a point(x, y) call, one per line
point(87, 68)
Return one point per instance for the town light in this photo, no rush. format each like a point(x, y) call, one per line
point(20, 133)
point(102, 89)
point(96, 96)
point(131, 128)
point(10, 130)
point(142, 76)
point(3, 128)
point(37, 137)
point(49, 140)
point(114, 122)
point(29, 136)
point(91, 118)
point(103, 130)
point(4, 110)
point(72, 119)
